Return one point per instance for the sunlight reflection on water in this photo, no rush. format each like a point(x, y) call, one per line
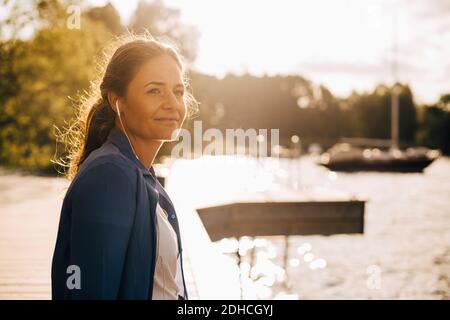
point(407, 224)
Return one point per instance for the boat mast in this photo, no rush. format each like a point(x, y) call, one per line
point(395, 89)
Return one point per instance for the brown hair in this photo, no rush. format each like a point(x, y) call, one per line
point(95, 117)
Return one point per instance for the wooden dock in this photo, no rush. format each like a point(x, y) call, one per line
point(28, 224)
point(283, 218)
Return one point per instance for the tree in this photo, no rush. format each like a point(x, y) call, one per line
point(160, 20)
point(434, 129)
point(372, 114)
point(39, 77)
point(108, 16)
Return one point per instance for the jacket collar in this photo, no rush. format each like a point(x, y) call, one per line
point(121, 142)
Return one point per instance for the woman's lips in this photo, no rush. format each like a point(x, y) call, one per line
point(167, 121)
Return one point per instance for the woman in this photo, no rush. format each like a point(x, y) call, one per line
point(118, 234)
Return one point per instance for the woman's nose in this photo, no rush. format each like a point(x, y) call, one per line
point(171, 101)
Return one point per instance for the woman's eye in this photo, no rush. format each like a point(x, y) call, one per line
point(179, 93)
point(154, 91)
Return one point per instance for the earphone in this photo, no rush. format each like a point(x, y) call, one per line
point(124, 130)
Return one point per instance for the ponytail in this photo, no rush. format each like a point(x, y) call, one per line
point(99, 122)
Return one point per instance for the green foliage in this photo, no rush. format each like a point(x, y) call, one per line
point(297, 107)
point(372, 114)
point(435, 125)
point(38, 78)
point(43, 74)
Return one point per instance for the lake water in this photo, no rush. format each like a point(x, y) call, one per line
point(404, 252)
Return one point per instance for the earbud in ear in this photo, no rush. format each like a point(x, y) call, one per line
point(117, 107)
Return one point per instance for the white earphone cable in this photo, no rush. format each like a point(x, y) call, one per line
point(124, 130)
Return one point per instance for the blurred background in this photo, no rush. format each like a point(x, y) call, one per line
point(360, 93)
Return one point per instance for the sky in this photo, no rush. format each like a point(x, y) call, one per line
point(343, 44)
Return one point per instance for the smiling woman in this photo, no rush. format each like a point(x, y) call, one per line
point(106, 234)
point(151, 110)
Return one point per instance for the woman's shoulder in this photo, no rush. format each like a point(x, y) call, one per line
point(103, 192)
point(107, 158)
point(104, 173)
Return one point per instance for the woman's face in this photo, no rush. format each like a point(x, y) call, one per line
point(154, 105)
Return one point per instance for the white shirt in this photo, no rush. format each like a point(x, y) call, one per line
point(168, 281)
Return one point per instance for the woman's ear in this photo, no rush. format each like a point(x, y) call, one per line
point(113, 99)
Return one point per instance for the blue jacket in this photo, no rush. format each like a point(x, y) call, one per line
point(107, 227)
